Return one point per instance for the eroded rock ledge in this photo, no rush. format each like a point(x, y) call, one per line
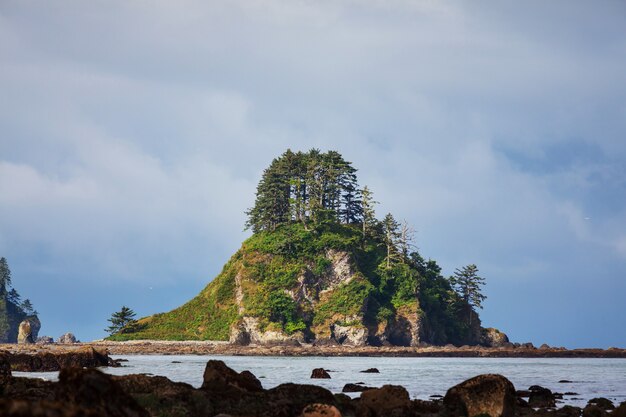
point(225, 392)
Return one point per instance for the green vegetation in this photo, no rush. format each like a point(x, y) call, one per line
point(13, 310)
point(310, 217)
point(122, 321)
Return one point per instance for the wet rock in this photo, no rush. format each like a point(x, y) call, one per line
point(567, 411)
point(565, 381)
point(320, 410)
point(484, 394)
point(355, 388)
point(24, 335)
point(86, 357)
point(67, 339)
point(219, 377)
point(421, 407)
point(371, 371)
point(290, 399)
point(385, 401)
point(620, 411)
point(603, 403)
point(320, 373)
point(541, 397)
point(5, 370)
point(92, 390)
point(44, 340)
point(593, 411)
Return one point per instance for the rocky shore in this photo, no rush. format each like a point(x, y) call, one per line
point(225, 392)
point(224, 348)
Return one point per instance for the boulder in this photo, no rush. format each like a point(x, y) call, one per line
point(67, 339)
point(320, 410)
point(92, 390)
point(291, 399)
point(24, 334)
point(355, 388)
point(491, 337)
point(370, 371)
point(385, 401)
point(484, 394)
point(219, 377)
point(620, 411)
point(593, 410)
point(603, 403)
point(541, 397)
point(44, 340)
point(320, 373)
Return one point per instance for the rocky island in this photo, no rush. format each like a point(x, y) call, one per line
point(321, 268)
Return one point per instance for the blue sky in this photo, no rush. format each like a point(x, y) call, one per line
point(133, 135)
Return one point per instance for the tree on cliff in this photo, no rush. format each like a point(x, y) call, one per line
point(121, 319)
point(468, 285)
point(5, 275)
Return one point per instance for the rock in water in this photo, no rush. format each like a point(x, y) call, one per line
point(24, 335)
point(385, 401)
point(490, 394)
point(219, 377)
point(320, 373)
point(66, 339)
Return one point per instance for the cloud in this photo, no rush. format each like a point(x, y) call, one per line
point(134, 135)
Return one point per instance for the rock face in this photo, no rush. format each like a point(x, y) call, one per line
point(45, 361)
point(484, 394)
point(24, 335)
point(491, 337)
point(67, 339)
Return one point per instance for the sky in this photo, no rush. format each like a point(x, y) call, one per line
point(133, 134)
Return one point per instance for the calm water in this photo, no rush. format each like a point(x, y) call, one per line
point(422, 377)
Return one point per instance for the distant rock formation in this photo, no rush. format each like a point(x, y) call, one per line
point(66, 339)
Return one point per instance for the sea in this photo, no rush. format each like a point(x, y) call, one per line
point(424, 378)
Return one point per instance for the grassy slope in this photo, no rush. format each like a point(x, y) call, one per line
point(270, 263)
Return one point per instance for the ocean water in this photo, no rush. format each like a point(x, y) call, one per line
point(422, 377)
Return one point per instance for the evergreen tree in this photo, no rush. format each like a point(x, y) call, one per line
point(121, 319)
point(27, 307)
point(368, 214)
point(14, 297)
point(5, 276)
point(468, 285)
point(391, 235)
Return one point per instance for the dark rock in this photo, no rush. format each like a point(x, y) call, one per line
point(355, 388)
point(320, 373)
point(570, 393)
point(541, 397)
point(371, 371)
point(421, 407)
point(567, 411)
point(592, 410)
point(320, 410)
point(484, 394)
point(92, 390)
point(528, 345)
point(290, 399)
point(219, 377)
point(565, 381)
point(67, 339)
point(620, 411)
point(522, 393)
point(5, 370)
point(603, 403)
point(436, 396)
point(44, 340)
point(385, 401)
point(86, 357)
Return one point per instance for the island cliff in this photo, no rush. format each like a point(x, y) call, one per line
point(320, 267)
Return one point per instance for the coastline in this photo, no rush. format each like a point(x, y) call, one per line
point(147, 347)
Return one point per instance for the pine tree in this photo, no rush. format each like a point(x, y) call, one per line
point(14, 297)
point(121, 319)
point(391, 236)
point(468, 285)
point(5, 276)
point(368, 214)
point(27, 307)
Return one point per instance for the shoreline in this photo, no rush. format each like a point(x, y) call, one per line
point(155, 347)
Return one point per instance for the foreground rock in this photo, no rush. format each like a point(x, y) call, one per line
point(49, 361)
point(225, 392)
point(484, 394)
